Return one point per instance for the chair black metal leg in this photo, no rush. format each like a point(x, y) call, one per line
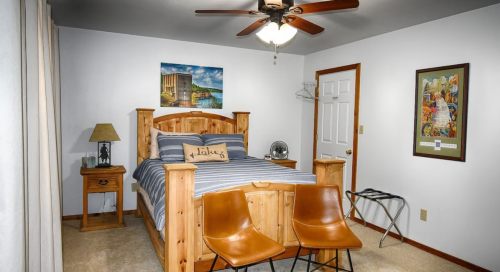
point(213, 264)
point(298, 252)
point(236, 269)
point(271, 263)
point(337, 259)
point(309, 261)
point(350, 262)
point(246, 268)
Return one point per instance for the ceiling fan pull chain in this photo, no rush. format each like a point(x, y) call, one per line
point(275, 52)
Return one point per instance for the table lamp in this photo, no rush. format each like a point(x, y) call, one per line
point(103, 134)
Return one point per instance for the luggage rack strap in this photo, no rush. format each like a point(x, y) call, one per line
point(376, 195)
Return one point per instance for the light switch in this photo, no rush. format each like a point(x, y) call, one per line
point(361, 129)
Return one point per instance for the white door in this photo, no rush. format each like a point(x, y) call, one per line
point(336, 122)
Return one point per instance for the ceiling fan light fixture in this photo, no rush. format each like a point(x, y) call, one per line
point(262, 34)
point(285, 34)
point(269, 33)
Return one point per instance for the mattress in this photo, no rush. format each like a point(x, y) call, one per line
point(212, 177)
point(150, 208)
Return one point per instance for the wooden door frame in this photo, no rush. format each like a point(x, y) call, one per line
point(356, 67)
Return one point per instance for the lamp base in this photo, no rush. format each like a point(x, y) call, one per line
point(104, 154)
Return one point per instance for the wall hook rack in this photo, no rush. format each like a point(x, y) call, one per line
point(307, 92)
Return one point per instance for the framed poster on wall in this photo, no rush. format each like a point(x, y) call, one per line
point(191, 86)
point(440, 128)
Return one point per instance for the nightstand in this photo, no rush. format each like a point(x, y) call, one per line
point(286, 163)
point(103, 180)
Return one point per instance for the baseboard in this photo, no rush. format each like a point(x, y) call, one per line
point(80, 216)
point(423, 247)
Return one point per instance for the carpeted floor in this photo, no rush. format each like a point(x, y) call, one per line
point(130, 249)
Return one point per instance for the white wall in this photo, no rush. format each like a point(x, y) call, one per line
point(11, 140)
point(461, 197)
point(106, 76)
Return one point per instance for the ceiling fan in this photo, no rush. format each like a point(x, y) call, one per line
point(284, 12)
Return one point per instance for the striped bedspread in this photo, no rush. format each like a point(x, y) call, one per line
point(214, 176)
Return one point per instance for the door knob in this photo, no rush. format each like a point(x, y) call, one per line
point(348, 152)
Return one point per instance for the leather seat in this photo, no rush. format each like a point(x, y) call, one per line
point(319, 223)
point(229, 232)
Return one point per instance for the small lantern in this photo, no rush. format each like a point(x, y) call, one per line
point(103, 134)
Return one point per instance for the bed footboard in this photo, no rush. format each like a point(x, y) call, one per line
point(270, 205)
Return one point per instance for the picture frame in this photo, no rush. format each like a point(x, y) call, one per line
point(440, 123)
point(191, 86)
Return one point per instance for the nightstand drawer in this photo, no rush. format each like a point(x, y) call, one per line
point(103, 182)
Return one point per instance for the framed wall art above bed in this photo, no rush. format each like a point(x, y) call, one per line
point(440, 127)
point(191, 86)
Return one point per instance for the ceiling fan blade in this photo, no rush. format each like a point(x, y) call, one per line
point(325, 6)
point(274, 4)
point(303, 25)
point(253, 27)
point(251, 12)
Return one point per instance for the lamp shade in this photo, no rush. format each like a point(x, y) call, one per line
point(104, 133)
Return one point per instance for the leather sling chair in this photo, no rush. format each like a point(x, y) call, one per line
point(318, 222)
point(229, 232)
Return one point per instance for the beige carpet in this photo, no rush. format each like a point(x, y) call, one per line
point(130, 249)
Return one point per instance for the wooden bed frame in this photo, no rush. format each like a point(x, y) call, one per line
point(270, 204)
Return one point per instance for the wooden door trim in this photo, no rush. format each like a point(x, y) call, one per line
point(356, 67)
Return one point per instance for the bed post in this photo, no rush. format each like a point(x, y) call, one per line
point(242, 124)
point(329, 172)
point(179, 217)
point(144, 121)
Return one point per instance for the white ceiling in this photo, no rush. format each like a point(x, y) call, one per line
point(176, 20)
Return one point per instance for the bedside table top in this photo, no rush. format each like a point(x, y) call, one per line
point(282, 161)
point(116, 169)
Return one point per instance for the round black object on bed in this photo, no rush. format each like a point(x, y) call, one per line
point(279, 150)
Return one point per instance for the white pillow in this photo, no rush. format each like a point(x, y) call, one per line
point(154, 153)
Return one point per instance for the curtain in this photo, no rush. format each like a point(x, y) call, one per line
point(32, 232)
point(42, 140)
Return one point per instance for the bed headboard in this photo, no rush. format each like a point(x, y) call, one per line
point(189, 122)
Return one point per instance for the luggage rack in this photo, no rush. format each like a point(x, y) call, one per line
point(375, 195)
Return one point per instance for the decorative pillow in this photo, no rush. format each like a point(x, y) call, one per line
point(234, 143)
point(170, 146)
point(153, 148)
point(205, 153)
